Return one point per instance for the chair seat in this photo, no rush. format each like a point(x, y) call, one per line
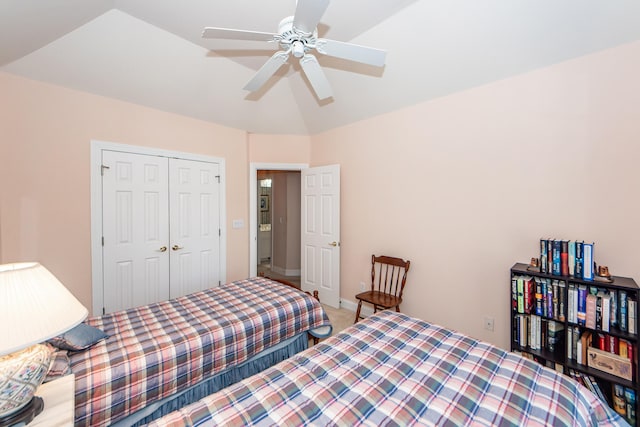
point(379, 299)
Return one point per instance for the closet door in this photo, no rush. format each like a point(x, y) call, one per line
point(135, 229)
point(194, 210)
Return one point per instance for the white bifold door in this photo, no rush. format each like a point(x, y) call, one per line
point(161, 228)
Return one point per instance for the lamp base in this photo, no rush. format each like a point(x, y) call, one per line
point(24, 415)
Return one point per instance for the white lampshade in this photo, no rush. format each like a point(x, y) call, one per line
point(34, 306)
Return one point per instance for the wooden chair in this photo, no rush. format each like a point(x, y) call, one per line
point(388, 277)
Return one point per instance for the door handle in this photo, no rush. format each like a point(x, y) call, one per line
point(334, 244)
point(176, 247)
point(163, 249)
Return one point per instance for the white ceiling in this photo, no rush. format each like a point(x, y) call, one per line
point(150, 52)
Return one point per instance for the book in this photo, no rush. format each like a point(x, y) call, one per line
point(590, 320)
point(630, 401)
point(598, 313)
point(587, 261)
point(605, 299)
point(572, 258)
point(520, 294)
point(613, 318)
point(564, 257)
point(556, 259)
point(578, 267)
point(550, 255)
point(572, 303)
point(562, 300)
point(549, 298)
point(622, 310)
point(543, 256)
point(554, 335)
point(538, 297)
point(582, 305)
point(631, 310)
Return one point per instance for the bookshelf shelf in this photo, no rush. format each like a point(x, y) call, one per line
point(551, 310)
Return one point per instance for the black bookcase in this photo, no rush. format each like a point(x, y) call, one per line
point(561, 354)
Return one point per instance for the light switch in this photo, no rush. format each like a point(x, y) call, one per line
point(237, 223)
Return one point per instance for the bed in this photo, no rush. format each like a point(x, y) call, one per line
point(391, 369)
point(162, 356)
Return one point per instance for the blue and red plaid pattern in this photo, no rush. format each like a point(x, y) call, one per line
point(391, 369)
point(157, 350)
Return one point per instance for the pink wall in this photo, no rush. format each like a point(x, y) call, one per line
point(44, 172)
point(466, 185)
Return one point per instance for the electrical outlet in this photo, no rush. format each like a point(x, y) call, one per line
point(488, 323)
point(362, 287)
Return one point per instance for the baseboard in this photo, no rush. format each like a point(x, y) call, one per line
point(284, 271)
point(353, 306)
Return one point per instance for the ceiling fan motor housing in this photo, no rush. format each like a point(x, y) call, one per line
point(295, 40)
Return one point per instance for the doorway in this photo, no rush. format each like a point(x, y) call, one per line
point(254, 208)
point(278, 227)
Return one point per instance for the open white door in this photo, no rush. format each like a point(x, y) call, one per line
point(320, 218)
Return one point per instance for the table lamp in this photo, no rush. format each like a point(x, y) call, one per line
point(34, 306)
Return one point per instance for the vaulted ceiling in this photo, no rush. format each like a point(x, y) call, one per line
point(150, 52)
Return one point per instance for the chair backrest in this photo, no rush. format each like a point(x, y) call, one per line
point(389, 274)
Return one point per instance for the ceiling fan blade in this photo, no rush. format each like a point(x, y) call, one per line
point(227, 33)
point(352, 52)
point(308, 14)
point(267, 70)
point(316, 76)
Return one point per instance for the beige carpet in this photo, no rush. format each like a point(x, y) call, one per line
point(339, 317)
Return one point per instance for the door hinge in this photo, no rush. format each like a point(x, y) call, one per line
point(102, 168)
point(219, 231)
point(102, 240)
point(218, 178)
point(104, 311)
point(219, 283)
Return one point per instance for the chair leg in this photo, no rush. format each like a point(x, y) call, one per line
point(398, 308)
point(358, 311)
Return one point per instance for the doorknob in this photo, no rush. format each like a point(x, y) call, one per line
point(334, 244)
point(176, 247)
point(163, 249)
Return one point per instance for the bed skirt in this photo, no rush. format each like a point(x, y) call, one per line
point(256, 364)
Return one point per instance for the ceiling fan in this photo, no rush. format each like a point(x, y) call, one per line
point(297, 35)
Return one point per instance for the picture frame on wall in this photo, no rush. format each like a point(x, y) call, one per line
point(264, 203)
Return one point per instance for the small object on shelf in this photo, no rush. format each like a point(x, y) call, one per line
point(609, 363)
point(534, 265)
point(602, 274)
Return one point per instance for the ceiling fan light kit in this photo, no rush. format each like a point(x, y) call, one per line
point(298, 36)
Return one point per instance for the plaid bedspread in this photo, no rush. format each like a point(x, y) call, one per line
point(156, 350)
point(391, 369)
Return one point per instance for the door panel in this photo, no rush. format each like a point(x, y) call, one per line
point(195, 232)
point(135, 214)
point(321, 232)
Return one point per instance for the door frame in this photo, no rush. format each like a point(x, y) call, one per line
point(253, 205)
point(97, 286)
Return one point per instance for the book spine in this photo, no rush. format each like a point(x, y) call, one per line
point(590, 321)
point(572, 258)
point(556, 265)
point(520, 294)
point(606, 311)
point(622, 306)
point(545, 305)
point(613, 317)
point(579, 260)
point(538, 297)
point(562, 300)
point(631, 310)
point(543, 256)
point(587, 267)
point(598, 313)
point(571, 314)
point(550, 255)
point(582, 305)
point(564, 258)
